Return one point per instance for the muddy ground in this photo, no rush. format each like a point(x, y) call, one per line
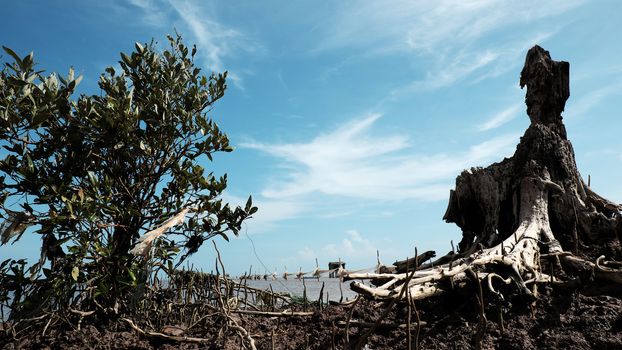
point(557, 319)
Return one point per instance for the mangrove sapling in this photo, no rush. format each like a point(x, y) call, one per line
point(91, 175)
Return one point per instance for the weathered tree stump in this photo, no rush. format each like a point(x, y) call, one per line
point(525, 211)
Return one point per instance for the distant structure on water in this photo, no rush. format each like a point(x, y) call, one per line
point(334, 267)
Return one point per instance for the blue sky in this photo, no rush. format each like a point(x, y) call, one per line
point(352, 119)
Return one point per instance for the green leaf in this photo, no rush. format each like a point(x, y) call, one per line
point(249, 204)
point(27, 60)
point(13, 54)
point(74, 273)
point(132, 276)
point(139, 47)
point(224, 236)
point(31, 165)
point(39, 119)
point(92, 178)
point(126, 59)
point(27, 207)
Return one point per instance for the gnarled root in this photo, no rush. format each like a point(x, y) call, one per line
point(519, 253)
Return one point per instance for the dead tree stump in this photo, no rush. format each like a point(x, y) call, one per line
point(516, 213)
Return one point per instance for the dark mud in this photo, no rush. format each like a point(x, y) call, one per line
point(556, 320)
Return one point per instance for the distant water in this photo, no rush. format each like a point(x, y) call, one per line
point(295, 287)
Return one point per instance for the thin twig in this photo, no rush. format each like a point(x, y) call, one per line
point(363, 324)
point(356, 300)
point(165, 336)
point(273, 314)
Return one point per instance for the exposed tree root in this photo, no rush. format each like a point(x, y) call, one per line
point(519, 253)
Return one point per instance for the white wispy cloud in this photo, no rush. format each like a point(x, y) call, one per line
point(501, 118)
point(353, 245)
point(306, 254)
point(510, 54)
point(216, 42)
point(153, 13)
point(349, 246)
point(197, 21)
point(471, 64)
point(597, 70)
point(449, 39)
point(269, 211)
point(450, 71)
point(214, 39)
point(585, 103)
point(428, 26)
point(352, 162)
